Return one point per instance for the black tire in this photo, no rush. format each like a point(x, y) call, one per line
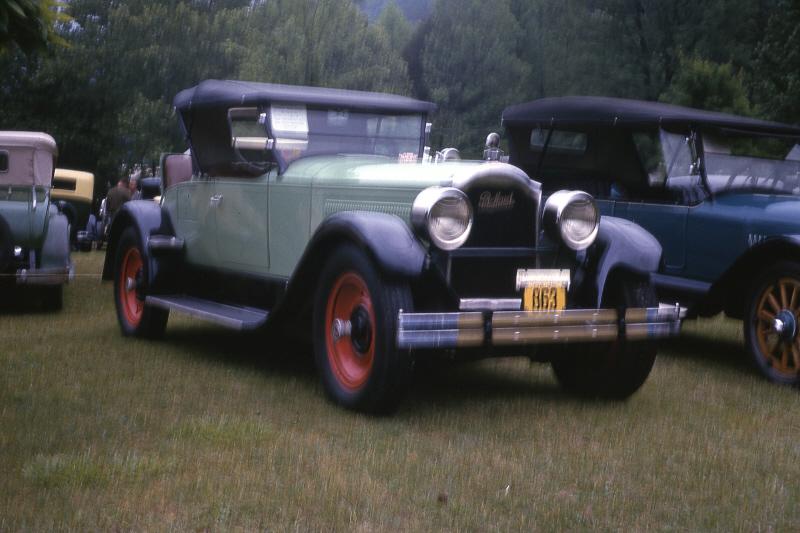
point(135, 318)
point(53, 298)
point(614, 370)
point(363, 370)
point(775, 354)
point(6, 246)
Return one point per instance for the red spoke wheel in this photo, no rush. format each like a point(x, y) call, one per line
point(772, 323)
point(355, 333)
point(130, 289)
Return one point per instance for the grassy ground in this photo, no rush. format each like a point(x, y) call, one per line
point(210, 430)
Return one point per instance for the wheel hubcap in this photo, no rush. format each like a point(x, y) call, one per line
point(361, 330)
point(131, 276)
point(776, 326)
point(350, 339)
point(785, 325)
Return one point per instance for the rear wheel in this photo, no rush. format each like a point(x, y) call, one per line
point(771, 323)
point(355, 331)
point(130, 289)
point(611, 370)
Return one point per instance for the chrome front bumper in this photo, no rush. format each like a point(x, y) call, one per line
point(519, 328)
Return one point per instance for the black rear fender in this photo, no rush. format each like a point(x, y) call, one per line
point(149, 219)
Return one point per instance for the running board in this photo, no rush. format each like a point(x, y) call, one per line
point(230, 316)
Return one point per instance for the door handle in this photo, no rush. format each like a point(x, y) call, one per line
point(215, 200)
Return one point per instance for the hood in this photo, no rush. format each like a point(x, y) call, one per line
point(359, 170)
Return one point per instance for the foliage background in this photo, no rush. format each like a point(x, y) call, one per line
point(102, 81)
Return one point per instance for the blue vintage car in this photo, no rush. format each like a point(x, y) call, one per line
point(720, 192)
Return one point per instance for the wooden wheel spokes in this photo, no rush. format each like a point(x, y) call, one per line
point(779, 305)
point(789, 289)
point(765, 316)
point(771, 300)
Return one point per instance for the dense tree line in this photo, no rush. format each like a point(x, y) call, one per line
point(103, 80)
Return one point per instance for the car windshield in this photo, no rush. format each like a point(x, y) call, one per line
point(300, 131)
point(752, 163)
point(733, 162)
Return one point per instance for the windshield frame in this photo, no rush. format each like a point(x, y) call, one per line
point(284, 163)
point(743, 134)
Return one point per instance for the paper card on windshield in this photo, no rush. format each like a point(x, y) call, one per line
point(289, 121)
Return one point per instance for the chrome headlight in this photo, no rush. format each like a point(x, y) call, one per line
point(444, 215)
point(572, 218)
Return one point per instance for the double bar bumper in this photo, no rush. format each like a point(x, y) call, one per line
point(519, 328)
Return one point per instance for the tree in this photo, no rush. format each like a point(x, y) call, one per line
point(397, 28)
point(707, 85)
point(31, 24)
point(776, 76)
point(469, 68)
point(321, 43)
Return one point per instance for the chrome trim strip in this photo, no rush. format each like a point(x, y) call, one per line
point(566, 317)
point(45, 276)
point(441, 321)
point(551, 334)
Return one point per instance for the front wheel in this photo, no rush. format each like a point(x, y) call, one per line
point(130, 289)
point(771, 323)
point(611, 370)
point(355, 332)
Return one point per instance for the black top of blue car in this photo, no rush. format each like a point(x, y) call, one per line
point(217, 93)
point(590, 110)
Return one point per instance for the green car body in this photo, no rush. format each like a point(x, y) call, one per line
point(316, 211)
point(34, 235)
point(264, 224)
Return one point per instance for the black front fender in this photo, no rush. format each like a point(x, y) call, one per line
point(147, 217)
point(386, 237)
point(621, 244)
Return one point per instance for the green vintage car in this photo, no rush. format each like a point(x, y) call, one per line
point(315, 210)
point(34, 235)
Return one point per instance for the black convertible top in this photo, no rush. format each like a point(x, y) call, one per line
point(215, 93)
point(598, 110)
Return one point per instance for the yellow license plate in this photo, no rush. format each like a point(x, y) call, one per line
point(544, 298)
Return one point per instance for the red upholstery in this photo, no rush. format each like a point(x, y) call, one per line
point(177, 169)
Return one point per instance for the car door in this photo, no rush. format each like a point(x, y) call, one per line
point(289, 217)
point(196, 221)
point(241, 211)
point(667, 222)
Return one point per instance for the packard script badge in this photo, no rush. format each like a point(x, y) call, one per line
point(499, 201)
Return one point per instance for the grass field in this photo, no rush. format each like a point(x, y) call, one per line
point(207, 430)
